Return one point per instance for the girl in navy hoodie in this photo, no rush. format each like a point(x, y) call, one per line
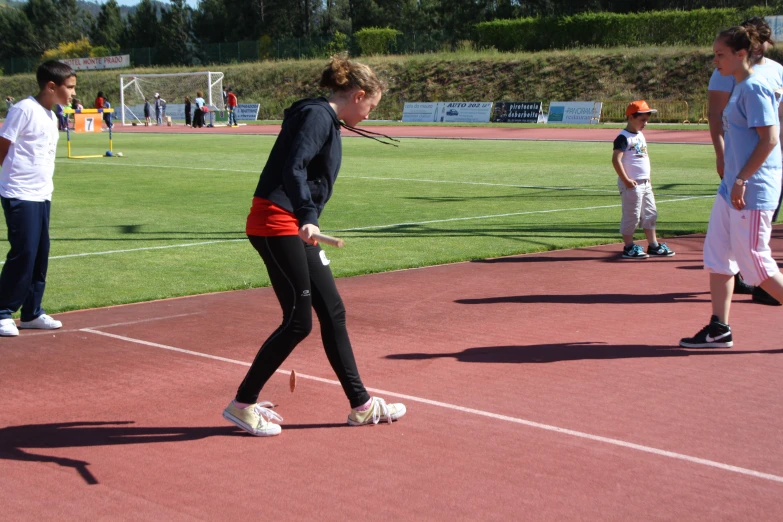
point(294, 186)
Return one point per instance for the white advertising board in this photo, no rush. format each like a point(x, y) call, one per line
point(574, 112)
point(247, 111)
point(419, 111)
point(464, 112)
point(99, 62)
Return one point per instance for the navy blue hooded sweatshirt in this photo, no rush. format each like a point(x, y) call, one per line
point(300, 172)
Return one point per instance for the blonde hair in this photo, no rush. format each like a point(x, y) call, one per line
point(341, 74)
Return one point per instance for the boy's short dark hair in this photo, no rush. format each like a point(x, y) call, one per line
point(53, 71)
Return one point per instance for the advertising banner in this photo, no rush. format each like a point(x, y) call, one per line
point(517, 112)
point(574, 112)
point(247, 111)
point(99, 62)
point(419, 111)
point(464, 112)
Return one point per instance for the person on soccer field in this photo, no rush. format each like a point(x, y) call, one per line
point(741, 219)
point(28, 144)
point(147, 112)
point(159, 103)
point(632, 164)
point(718, 93)
point(107, 116)
point(232, 108)
point(188, 107)
point(198, 112)
point(294, 186)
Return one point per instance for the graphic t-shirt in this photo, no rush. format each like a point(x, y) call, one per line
point(635, 160)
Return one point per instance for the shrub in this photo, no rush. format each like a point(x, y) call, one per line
point(79, 49)
point(696, 27)
point(376, 40)
point(337, 45)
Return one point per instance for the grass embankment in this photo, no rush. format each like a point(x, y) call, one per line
point(621, 74)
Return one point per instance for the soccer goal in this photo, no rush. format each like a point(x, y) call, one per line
point(135, 89)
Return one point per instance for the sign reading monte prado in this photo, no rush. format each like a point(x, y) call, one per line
point(98, 62)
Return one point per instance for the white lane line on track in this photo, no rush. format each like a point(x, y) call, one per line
point(139, 321)
point(374, 227)
point(531, 424)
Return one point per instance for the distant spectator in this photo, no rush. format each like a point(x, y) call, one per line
point(99, 100)
point(107, 115)
point(77, 105)
point(159, 104)
point(9, 102)
point(226, 90)
point(188, 107)
point(232, 108)
point(147, 112)
point(198, 113)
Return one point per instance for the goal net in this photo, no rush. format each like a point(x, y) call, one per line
point(135, 89)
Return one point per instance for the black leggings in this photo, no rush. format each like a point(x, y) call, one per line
point(301, 280)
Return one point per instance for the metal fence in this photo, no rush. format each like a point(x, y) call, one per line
point(669, 111)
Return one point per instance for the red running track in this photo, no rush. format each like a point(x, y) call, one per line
point(539, 387)
point(497, 358)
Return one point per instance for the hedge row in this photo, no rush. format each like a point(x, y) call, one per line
point(697, 27)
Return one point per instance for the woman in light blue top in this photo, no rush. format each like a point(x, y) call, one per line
point(721, 86)
point(741, 219)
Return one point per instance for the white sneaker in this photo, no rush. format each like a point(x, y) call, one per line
point(8, 328)
point(378, 411)
point(256, 419)
point(42, 322)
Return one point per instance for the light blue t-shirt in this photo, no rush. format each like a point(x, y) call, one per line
point(752, 104)
point(770, 70)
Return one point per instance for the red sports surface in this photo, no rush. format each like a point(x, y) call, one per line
point(538, 387)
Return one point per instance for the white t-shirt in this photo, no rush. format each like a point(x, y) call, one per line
point(635, 160)
point(28, 168)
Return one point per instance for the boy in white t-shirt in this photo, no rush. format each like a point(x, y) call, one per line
point(28, 143)
point(632, 164)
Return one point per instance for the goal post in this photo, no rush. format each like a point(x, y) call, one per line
point(135, 89)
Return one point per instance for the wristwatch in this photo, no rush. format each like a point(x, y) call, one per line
point(740, 182)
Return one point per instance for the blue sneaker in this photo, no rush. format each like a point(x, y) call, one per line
point(660, 251)
point(634, 252)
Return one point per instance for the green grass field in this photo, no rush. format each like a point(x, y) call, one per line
point(168, 218)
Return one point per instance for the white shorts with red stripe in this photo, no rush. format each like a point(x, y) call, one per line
point(738, 241)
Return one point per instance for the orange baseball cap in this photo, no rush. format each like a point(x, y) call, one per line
point(638, 107)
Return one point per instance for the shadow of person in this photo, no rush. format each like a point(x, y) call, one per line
point(547, 353)
point(14, 440)
point(676, 297)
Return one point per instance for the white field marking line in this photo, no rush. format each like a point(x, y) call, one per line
point(482, 413)
point(374, 227)
point(84, 254)
point(54, 332)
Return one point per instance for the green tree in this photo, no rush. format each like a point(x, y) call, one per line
point(108, 28)
point(143, 26)
point(16, 35)
point(177, 33)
